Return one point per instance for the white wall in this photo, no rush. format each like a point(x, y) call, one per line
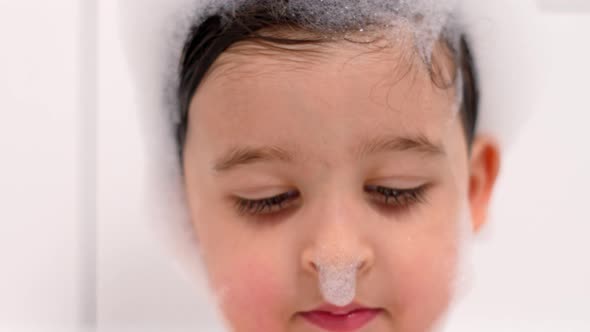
point(41, 226)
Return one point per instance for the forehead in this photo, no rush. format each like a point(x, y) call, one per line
point(331, 92)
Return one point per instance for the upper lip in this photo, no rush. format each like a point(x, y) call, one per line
point(335, 310)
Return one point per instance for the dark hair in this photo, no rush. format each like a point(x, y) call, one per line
point(207, 40)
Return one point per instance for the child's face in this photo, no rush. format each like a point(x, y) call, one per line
point(328, 128)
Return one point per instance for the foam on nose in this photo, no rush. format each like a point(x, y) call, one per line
point(338, 282)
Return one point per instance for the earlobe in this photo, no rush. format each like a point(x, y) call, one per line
point(484, 166)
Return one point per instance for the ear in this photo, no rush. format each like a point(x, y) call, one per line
point(484, 165)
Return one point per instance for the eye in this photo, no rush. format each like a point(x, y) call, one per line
point(266, 205)
point(397, 198)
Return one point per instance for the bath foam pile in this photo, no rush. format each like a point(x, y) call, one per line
point(426, 20)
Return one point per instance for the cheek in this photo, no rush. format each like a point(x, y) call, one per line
point(424, 259)
point(428, 275)
point(426, 278)
point(251, 293)
point(248, 277)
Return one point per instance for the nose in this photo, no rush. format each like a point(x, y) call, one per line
point(344, 253)
point(338, 241)
point(338, 252)
point(337, 260)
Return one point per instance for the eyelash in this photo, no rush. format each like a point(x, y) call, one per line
point(265, 205)
point(390, 197)
point(398, 198)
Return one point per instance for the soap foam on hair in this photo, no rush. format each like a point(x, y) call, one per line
point(426, 20)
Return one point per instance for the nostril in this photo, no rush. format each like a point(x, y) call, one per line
point(361, 266)
point(314, 261)
point(308, 264)
point(365, 264)
point(314, 267)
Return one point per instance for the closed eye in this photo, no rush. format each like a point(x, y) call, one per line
point(266, 205)
point(396, 198)
point(390, 197)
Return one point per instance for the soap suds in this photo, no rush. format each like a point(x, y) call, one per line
point(338, 282)
point(426, 20)
point(337, 266)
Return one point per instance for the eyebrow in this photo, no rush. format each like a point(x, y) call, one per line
point(419, 143)
point(248, 155)
point(244, 155)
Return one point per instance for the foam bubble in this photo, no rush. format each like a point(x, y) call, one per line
point(337, 267)
point(338, 282)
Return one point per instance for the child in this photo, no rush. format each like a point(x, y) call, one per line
point(328, 155)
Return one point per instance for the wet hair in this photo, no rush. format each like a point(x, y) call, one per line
point(215, 34)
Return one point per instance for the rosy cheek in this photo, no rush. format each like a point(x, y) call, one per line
point(251, 297)
point(423, 286)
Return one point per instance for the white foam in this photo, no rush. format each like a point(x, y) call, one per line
point(426, 20)
point(338, 282)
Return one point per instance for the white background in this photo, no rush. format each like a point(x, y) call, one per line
point(74, 251)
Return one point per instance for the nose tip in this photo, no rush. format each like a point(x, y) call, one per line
point(313, 259)
point(337, 271)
